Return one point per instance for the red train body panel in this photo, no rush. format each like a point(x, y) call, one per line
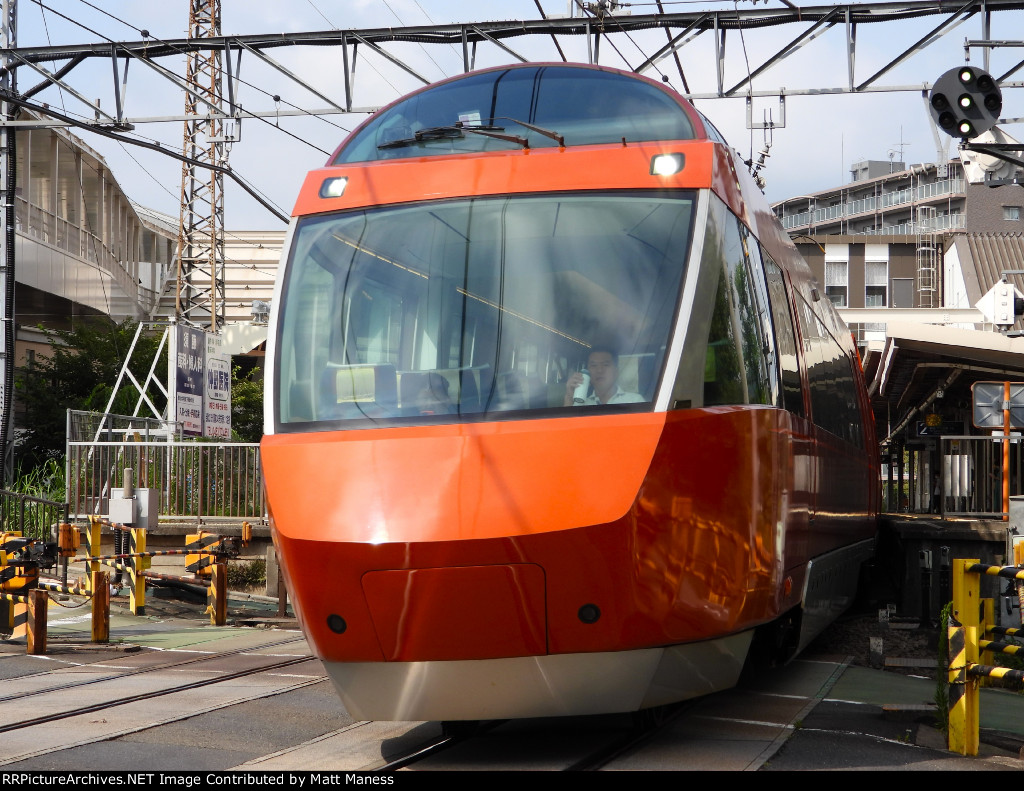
point(499, 552)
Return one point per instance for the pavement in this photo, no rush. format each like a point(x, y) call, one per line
point(819, 712)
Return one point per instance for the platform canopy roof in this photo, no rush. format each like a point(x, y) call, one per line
point(924, 369)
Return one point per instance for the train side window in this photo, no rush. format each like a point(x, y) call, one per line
point(834, 402)
point(764, 316)
point(737, 362)
point(738, 338)
point(785, 338)
point(724, 382)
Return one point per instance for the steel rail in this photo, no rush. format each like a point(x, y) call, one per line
point(107, 704)
point(141, 670)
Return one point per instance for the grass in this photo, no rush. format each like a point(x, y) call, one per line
point(247, 575)
point(45, 482)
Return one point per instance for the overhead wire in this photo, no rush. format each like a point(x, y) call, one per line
point(275, 97)
point(156, 144)
point(402, 23)
point(370, 63)
point(176, 197)
point(46, 29)
point(632, 41)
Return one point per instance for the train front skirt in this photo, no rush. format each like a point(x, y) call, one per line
point(551, 685)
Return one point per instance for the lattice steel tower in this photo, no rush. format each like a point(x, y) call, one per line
point(200, 292)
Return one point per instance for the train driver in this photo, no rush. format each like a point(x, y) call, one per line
point(603, 367)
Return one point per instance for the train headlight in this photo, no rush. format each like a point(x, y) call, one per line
point(333, 187)
point(667, 164)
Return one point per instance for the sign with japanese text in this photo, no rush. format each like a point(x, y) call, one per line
point(217, 406)
point(201, 374)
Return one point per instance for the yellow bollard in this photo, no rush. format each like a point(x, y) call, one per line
point(136, 582)
point(6, 605)
point(38, 600)
point(93, 546)
point(957, 677)
point(967, 612)
point(217, 599)
point(100, 583)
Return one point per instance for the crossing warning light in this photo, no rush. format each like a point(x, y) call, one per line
point(966, 102)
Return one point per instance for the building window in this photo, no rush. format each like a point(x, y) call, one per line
point(836, 282)
point(876, 284)
point(1011, 213)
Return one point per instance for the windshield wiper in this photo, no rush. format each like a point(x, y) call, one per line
point(455, 132)
point(538, 129)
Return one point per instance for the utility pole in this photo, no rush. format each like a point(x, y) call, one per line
point(200, 288)
point(8, 158)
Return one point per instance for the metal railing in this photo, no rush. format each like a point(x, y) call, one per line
point(197, 480)
point(968, 482)
point(33, 517)
point(201, 481)
point(888, 200)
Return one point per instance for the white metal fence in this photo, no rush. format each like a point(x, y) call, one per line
point(197, 480)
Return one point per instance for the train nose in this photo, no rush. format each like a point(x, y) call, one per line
point(427, 614)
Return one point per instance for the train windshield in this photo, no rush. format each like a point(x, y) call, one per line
point(534, 107)
point(480, 309)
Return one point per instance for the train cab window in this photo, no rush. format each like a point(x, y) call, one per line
point(476, 308)
point(582, 105)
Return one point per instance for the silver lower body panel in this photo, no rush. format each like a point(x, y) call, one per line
point(539, 686)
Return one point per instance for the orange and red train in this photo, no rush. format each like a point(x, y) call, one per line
point(464, 540)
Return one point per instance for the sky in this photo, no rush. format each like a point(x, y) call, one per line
point(822, 137)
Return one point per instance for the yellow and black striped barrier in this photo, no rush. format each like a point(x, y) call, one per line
point(971, 624)
point(204, 552)
point(137, 557)
point(30, 617)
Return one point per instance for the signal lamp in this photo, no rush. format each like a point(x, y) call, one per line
point(978, 102)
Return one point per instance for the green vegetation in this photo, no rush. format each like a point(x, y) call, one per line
point(941, 675)
point(45, 482)
point(246, 405)
point(79, 373)
point(247, 574)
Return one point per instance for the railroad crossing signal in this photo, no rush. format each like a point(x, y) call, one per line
point(966, 102)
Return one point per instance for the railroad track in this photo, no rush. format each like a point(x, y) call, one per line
point(76, 709)
point(641, 728)
point(138, 671)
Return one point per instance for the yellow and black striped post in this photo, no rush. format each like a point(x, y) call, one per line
point(6, 605)
point(137, 582)
point(20, 616)
point(963, 651)
point(100, 581)
point(38, 601)
point(217, 598)
point(93, 549)
point(200, 547)
point(988, 620)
